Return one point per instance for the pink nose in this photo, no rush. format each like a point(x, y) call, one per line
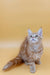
point(32, 37)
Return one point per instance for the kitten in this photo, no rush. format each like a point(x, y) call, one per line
point(30, 51)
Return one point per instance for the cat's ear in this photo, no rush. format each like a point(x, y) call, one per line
point(40, 32)
point(29, 32)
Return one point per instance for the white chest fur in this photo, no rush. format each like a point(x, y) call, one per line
point(35, 47)
point(34, 51)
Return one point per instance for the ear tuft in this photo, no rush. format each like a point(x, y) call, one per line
point(29, 32)
point(40, 32)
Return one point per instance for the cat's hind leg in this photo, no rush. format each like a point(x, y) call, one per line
point(26, 63)
point(38, 61)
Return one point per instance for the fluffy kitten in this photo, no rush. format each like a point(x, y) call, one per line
point(30, 51)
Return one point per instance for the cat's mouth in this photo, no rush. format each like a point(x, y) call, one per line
point(33, 39)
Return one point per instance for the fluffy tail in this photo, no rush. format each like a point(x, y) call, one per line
point(15, 61)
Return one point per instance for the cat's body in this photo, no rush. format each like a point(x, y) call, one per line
point(30, 52)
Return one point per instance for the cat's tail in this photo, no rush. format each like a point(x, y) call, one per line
point(12, 62)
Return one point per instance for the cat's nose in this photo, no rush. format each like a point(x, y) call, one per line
point(32, 37)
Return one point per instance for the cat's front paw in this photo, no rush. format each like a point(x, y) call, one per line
point(32, 71)
point(32, 68)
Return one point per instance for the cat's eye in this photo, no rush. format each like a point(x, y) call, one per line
point(36, 35)
point(31, 36)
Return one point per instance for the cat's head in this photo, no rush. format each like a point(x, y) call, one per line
point(35, 37)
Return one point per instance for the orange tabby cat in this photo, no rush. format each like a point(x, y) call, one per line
point(30, 51)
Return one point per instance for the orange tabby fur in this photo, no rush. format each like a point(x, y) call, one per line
point(30, 53)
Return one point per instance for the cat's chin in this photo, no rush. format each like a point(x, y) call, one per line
point(34, 41)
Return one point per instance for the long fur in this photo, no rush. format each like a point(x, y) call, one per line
point(30, 53)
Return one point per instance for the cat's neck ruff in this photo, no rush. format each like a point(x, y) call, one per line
point(35, 47)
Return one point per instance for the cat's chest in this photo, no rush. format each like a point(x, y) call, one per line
point(34, 52)
point(34, 56)
point(34, 47)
